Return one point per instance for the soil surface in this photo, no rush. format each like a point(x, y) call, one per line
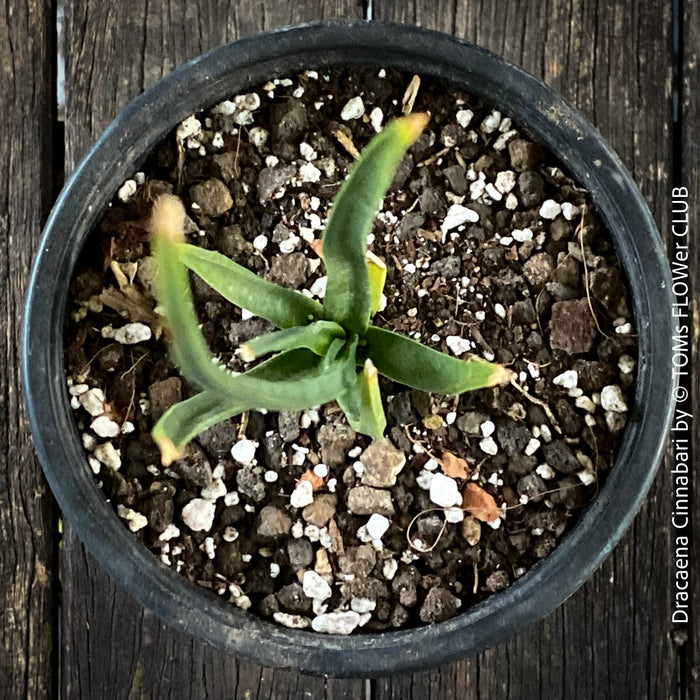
point(491, 249)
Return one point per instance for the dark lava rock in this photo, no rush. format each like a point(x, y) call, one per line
point(522, 313)
point(159, 509)
point(560, 229)
point(470, 423)
point(497, 581)
point(251, 484)
point(404, 585)
point(431, 203)
point(289, 121)
point(218, 439)
point(448, 267)
point(568, 493)
point(569, 420)
point(567, 272)
point(268, 605)
point(438, 605)
point(531, 186)
point(593, 376)
point(232, 243)
point(288, 425)
point(229, 560)
point(293, 600)
point(399, 616)
point(403, 172)
point(335, 440)
point(272, 179)
point(300, 553)
point(560, 457)
point(561, 292)
point(212, 197)
point(242, 331)
point(289, 270)
point(162, 395)
point(520, 464)
point(524, 154)
point(271, 449)
point(409, 225)
point(572, 327)
point(358, 560)
point(193, 466)
point(538, 269)
point(400, 409)
point(531, 486)
point(512, 437)
point(606, 287)
point(456, 178)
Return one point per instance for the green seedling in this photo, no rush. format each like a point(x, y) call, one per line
point(321, 352)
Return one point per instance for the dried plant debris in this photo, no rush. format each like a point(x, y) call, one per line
point(491, 249)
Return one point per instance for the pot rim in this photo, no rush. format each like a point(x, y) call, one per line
point(247, 63)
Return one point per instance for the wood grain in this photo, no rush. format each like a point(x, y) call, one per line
point(111, 647)
point(27, 592)
point(613, 61)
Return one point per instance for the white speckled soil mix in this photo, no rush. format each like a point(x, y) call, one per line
point(490, 249)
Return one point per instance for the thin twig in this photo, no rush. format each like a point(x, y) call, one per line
point(539, 402)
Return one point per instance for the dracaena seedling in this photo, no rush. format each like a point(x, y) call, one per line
point(321, 352)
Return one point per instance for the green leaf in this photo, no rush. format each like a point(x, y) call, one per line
point(293, 380)
point(362, 404)
point(282, 307)
point(186, 419)
point(188, 347)
point(317, 337)
point(408, 362)
point(348, 297)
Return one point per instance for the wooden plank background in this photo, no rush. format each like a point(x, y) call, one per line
point(89, 639)
point(27, 519)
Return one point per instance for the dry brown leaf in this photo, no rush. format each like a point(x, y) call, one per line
point(135, 306)
point(410, 95)
point(480, 503)
point(313, 478)
point(317, 246)
point(455, 466)
point(346, 142)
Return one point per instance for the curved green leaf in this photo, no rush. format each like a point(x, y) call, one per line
point(293, 380)
point(408, 362)
point(282, 307)
point(188, 347)
point(348, 298)
point(317, 337)
point(186, 419)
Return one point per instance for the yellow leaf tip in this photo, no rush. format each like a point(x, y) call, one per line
point(168, 218)
point(414, 124)
point(370, 370)
point(168, 452)
point(246, 352)
point(375, 260)
point(501, 375)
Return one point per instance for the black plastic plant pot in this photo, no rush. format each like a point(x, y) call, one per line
point(236, 68)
